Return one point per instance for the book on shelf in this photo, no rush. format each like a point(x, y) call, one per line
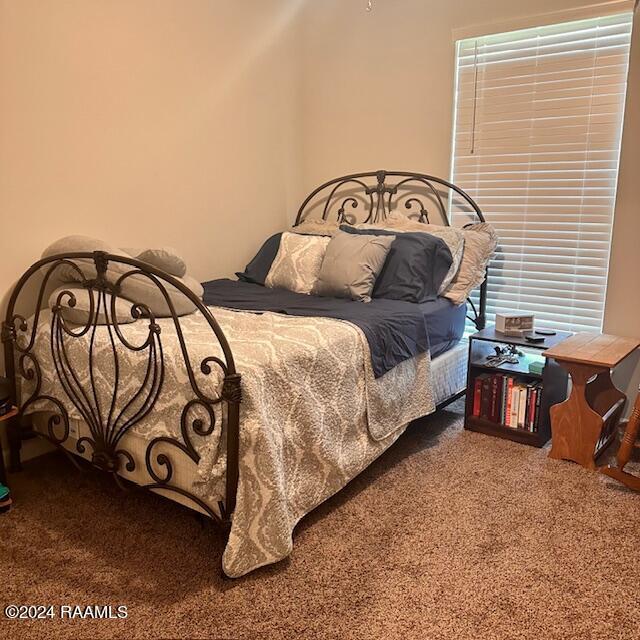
point(507, 400)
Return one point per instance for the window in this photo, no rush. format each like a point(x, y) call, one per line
point(536, 142)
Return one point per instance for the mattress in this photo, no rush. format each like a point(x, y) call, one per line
point(449, 372)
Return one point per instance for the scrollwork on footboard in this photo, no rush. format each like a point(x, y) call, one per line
point(108, 404)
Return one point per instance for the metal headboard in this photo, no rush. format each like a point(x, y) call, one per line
point(372, 201)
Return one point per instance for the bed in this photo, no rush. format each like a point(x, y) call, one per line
point(254, 408)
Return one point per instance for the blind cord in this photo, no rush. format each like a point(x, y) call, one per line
point(475, 99)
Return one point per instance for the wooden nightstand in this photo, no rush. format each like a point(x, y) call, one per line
point(3, 473)
point(547, 388)
point(585, 425)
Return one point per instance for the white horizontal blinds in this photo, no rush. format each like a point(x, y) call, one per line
point(536, 142)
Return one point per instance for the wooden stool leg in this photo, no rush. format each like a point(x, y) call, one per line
point(626, 449)
point(630, 436)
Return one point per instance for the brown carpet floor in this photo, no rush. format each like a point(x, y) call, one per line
point(450, 534)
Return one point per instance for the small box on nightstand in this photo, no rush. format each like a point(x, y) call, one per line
point(514, 324)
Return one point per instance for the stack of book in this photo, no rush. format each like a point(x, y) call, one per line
point(507, 400)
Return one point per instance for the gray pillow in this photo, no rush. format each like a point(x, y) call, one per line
point(137, 288)
point(76, 244)
point(351, 265)
point(142, 290)
point(80, 313)
point(165, 258)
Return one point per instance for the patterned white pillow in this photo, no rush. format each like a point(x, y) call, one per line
point(297, 263)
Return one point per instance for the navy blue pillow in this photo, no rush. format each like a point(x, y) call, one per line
point(416, 265)
point(257, 270)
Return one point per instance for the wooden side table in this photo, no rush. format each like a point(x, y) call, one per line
point(585, 424)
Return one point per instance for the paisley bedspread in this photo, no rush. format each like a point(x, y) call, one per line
point(312, 414)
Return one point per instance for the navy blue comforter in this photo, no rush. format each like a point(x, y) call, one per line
point(395, 330)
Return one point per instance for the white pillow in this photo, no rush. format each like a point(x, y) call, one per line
point(297, 263)
point(480, 241)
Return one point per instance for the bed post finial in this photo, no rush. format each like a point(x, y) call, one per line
point(102, 262)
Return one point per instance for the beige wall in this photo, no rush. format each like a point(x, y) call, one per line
point(147, 122)
point(378, 87)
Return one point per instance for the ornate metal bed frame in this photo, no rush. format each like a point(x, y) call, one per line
point(108, 424)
